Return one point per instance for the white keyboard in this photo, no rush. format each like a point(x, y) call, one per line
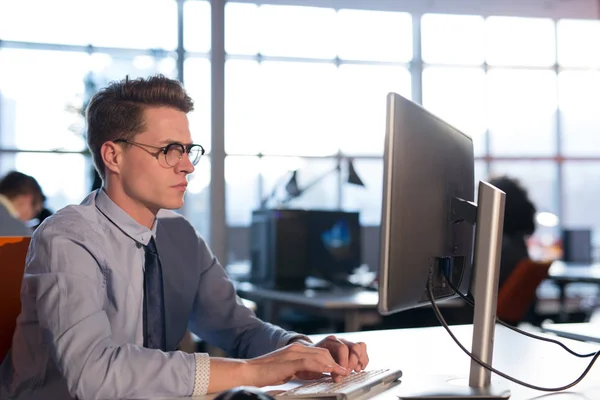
point(354, 384)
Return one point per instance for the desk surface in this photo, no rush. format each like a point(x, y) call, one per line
point(582, 273)
point(328, 299)
point(586, 331)
point(422, 352)
point(333, 299)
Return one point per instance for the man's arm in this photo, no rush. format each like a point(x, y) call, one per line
point(68, 289)
point(272, 369)
point(221, 319)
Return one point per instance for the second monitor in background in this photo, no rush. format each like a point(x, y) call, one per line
point(577, 246)
point(289, 245)
point(334, 240)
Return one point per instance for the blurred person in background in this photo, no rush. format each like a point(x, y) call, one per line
point(519, 224)
point(21, 200)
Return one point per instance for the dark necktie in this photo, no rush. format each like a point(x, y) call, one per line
point(154, 310)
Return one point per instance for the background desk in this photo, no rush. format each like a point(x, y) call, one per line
point(563, 274)
point(356, 307)
point(424, 351)
point(585, 331)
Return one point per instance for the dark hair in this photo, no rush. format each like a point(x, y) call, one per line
point(519, 211)
point(17, 184)
point(117, 111)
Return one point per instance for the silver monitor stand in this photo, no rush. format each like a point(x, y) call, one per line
point(484, 286)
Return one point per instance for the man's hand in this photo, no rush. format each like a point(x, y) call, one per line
point(350, 355)
point(293, 360)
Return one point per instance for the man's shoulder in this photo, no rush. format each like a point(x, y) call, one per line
point(76, 221)
point(73, 215)
point(178, 228)
point(173, 221)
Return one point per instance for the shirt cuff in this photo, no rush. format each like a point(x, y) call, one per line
point(290, 338)
point(202, 374)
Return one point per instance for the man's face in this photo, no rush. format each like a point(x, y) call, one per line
point(149, 180)
point(28, 206)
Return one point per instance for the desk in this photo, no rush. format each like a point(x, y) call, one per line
point(357, 307)
point(585, 331)
point(421, 352)
point(563, 274)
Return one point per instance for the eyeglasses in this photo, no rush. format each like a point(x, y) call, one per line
point(173, 152)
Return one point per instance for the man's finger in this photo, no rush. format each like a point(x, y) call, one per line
point(338, 350)
point(314, 364)
point(364, 356)
point(353, 360)
point(358, 359)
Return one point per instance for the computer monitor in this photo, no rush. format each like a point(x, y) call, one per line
point(427, 232)
point(334, 244)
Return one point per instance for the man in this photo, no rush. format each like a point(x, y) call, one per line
point(21, 199)
point(111, 284)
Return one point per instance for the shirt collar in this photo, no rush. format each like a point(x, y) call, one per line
point(9, 206)
point(122, 220)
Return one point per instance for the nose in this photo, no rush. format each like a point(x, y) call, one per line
point(185, 165)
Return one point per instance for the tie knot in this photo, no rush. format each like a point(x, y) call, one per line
point(151, 246)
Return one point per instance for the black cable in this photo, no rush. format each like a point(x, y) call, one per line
point(442, 321)
point(515, 329)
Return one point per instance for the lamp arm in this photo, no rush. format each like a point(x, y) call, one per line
point(266, 199)
point(313, 183)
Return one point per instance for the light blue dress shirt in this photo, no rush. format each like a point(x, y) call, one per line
point(79, 333)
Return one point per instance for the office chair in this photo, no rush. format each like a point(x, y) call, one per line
point(517, 293)
point(13, 251)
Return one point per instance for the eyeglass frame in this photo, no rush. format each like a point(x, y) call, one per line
point(165, 149)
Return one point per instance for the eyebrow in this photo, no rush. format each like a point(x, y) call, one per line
point(169, 141)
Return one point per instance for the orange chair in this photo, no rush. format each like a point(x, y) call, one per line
point(518, 291)
point(13, 251)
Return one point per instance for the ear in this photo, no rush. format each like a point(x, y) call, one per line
point(112, 156)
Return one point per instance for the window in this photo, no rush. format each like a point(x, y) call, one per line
point(581, 196)
point(457, 95)
point(241, 186)
point(196, 26)
point(107, 23)
point(367, 199)
point(360, 122)
point(373, 35)
point(41, 94)
point(282, 31)
point(579, 97)
point(521, 107)
point(577, 41)
point(452, 39)
point(107, 68)
point(197, 198)
point(197, 83)
point(241, 28)
point(273, 108)
point(537, 177)
point(520, 41)
point(316, 177)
